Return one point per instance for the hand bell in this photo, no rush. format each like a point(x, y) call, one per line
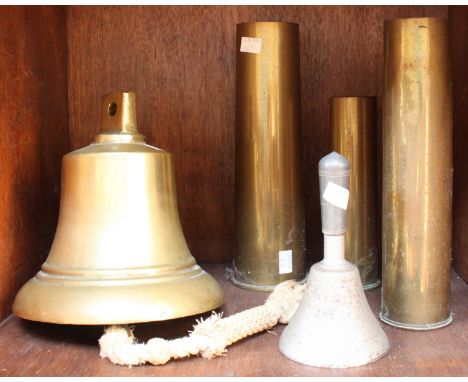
point(119, 254)
point(334, 326)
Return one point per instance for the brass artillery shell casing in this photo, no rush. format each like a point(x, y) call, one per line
point(353, 124)
point(417, 174)
point(270, 238)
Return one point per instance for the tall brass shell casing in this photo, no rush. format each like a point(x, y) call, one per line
point(119, 254)
point(270, 239)
point(417, 174)
point(353, 124)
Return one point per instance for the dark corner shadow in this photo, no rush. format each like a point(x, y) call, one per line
point(90, 334)
point(77, 334)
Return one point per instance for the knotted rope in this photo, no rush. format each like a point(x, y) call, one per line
point(209, 337)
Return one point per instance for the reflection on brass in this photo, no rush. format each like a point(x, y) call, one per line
point(270, 240)
point(353, 124)
point(417, 174)
point(119, 254)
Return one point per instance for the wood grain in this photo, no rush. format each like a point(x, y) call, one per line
point(459, 47)
point(181, 63)
point(59, 350)
point(33, 138)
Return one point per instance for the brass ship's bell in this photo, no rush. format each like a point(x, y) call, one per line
point(119, 254)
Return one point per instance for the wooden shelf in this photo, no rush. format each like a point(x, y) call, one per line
point(34, 349)
point(181, 63)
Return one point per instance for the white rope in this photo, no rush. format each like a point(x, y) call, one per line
point(209, 337)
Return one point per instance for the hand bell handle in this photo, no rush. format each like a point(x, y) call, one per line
point(334, 172)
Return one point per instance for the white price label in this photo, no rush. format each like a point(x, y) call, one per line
point(251, 45)
point(285, 261)
point(336, 195)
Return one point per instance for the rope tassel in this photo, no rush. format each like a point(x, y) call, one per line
point(209, 337)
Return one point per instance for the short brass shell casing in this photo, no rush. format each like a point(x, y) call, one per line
point(353, 124)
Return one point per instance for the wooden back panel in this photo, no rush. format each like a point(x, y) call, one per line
point(33, 138)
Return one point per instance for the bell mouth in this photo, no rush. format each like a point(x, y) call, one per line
point(298, 359)
point(124, 300)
